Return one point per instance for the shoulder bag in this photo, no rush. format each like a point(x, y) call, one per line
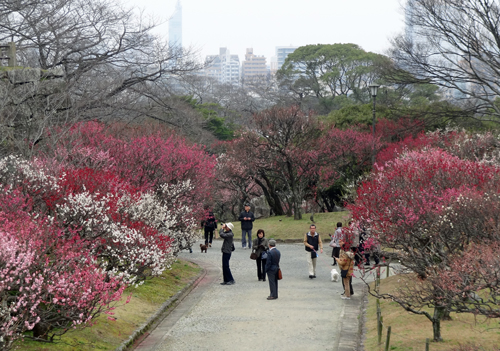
point(280, 276)
point(343, 272)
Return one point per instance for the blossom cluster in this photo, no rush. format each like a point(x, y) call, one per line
point(88, 218)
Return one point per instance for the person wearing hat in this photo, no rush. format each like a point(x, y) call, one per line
point(226, 233)
point(246, 217)
point(272, 266)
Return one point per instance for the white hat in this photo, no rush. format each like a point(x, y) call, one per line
point(230, 226)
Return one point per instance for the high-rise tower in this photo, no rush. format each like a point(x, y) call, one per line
point(409, 20)
point(175, 27)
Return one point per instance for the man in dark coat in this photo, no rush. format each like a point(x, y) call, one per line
point(246, 217)
point(272, 266)
point(209, 224)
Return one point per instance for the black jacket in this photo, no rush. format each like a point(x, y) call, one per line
point(245, 223)
point(210, 223)
point(228, 240)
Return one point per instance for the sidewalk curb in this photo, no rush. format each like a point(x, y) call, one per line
point(166, 308)
point(351, 328)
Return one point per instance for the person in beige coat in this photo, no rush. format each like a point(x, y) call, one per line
point(346, 262)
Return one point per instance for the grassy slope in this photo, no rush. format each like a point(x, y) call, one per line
point(146, 299)
point(409, 331)
point(283, 228)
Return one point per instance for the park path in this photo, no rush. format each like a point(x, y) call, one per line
point(306, 316)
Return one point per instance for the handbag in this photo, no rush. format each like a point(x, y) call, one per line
point(280, 276)
point(332, 243)
point(343, 272)
point(264, 255)
point(253, 256)
point(232, 247)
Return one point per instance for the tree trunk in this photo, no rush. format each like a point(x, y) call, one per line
point(439, 312)
point(297, 212)
point(289, 210)
point(41, 331)
point(270, 193)
point(446, 316)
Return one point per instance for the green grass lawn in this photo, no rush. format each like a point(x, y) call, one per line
point(108, 335)
point(286, 228)
point(409, 331)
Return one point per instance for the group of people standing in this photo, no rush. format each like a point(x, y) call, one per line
point(346, 252)
point(267, 257)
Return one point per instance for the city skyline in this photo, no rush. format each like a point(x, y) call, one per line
point(262, 25)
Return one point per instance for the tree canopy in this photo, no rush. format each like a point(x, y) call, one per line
point(454, 44)
point(324, 71)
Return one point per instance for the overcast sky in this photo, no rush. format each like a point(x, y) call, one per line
point(265, 24)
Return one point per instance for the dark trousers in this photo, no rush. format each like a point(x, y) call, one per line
point(209, 232)
point(375, 257)
point(272, 276)
point(335, 253)
point(350, 285)
point(261, 264)
point(226, 271)
point(357, 256)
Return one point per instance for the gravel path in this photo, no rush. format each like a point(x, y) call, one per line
point(306, 315)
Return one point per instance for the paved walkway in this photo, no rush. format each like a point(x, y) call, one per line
point(308, 315)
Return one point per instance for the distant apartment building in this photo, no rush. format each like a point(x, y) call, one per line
point(254, 67)
point(281, 54)
point(175, 27)
point(223, 67)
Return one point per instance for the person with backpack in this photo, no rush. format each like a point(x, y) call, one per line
point(209, 224)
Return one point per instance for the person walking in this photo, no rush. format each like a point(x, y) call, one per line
point(226, 233)
point(368, 247)
point(337, 236)
point(209, 225)
point(260, 248)
point(246, 217)
point(346, 263)
point(272, 266)
point(312, 243)
point(354, 240)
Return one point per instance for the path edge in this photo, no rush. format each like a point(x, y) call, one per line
point(165, 309)
point(353, 323)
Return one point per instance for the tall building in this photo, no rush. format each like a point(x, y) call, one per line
point(223, 67)
point(254, 67)
point(281, 54)
point(175, 27)
point(409, 20)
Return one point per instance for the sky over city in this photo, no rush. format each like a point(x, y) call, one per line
point(265, 24)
